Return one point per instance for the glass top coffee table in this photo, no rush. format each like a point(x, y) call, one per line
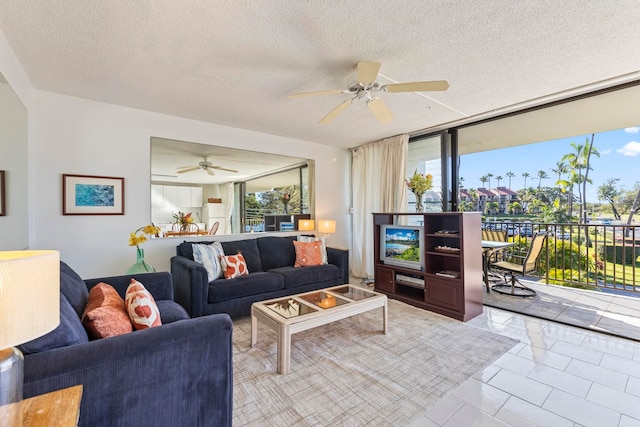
point(297, 313)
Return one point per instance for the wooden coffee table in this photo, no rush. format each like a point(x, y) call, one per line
point(297, 313)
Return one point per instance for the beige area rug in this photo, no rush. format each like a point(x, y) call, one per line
point(348, 373)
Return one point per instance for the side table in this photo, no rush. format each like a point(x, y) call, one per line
point(59, 408)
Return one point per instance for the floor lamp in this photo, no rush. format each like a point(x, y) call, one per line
point(29, 308)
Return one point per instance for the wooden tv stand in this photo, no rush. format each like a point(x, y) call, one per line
point(450, 282)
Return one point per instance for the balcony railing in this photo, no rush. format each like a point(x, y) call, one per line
point(589, 256)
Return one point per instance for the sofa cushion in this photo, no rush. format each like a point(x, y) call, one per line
point(249, 250)
point(312, 238)
point(252, 284)
point(308, 253)
point(233, 266)
point(294, 277)
point(171, 311)
point(185, 248)
point(276, 252)
point(105, 315)
point(209, 257)
point(141, 307)
point(73, 288)
point(69, 332)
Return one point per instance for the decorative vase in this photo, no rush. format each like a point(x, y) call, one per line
point(419, 205)
point(140, 266)
point(286, 208)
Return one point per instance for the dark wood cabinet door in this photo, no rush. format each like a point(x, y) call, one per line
point(444, 293)
point(384, 279)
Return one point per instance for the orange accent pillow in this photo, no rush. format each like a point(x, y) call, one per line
point(234, 266)
point(308, 253)
point(104, 315)
point(141, 307)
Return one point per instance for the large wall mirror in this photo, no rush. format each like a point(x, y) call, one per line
point(205, 189)
point(14, 224)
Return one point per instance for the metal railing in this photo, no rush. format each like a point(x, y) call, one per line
point(588, 256)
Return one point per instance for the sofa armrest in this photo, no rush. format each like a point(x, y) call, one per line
point(175, 374)
point(339, 258)
point(191, 284)
point(158, 284)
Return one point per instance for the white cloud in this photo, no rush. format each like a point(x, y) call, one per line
point(632, 130)
point(605, 152)
point(630, 149)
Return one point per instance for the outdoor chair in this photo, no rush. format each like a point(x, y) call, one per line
point(513, 286)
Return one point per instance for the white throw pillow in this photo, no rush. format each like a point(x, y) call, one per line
point(323, 249)
point(209, 257)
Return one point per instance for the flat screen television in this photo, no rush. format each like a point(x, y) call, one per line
point(402, 245)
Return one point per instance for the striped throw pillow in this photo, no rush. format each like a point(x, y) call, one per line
point(209, 257)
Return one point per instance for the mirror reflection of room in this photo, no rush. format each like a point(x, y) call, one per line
point(200, 189)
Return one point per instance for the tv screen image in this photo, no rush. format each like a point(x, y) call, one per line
point(402, 246)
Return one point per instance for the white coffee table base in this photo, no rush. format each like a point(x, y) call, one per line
point(284, 328)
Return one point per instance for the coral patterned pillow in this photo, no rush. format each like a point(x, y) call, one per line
point(104, 315)
point(234, 266)
point(142, 308)
point(308, 253)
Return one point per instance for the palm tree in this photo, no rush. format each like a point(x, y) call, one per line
point(498, 178)
point(489, 176)
point(561, 168)
point(525, 175)
point(510, 175)
point(492, 208)
point(541, 175)
point(514, 208)
point(460, 181)
point(483, 180)
point(473, 193)
point(578, 162)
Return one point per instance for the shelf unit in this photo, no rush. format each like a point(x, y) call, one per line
point(460, 296)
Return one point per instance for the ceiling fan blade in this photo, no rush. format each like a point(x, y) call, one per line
point(368, 71)
point(323, 92)
point(380, 110)
point(224, 169)
point(333, 113)
point(435, 85)
point(189, 169)
point(210, 172)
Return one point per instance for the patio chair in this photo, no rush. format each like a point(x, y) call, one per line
point(513, 286)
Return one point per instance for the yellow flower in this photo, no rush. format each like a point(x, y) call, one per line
point(419, 183)
point(135, 239)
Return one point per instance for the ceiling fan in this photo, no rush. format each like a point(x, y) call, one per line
point(206, 166)
point(365, 88)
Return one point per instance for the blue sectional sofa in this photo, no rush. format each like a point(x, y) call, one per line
point(177, 374)
point(270, 261)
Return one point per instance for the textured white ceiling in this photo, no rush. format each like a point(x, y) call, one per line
point(234, 62)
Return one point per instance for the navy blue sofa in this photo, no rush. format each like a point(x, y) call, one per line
point(270, 261)
point(177, 374)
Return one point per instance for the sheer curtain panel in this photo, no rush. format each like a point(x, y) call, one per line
point(378, 172)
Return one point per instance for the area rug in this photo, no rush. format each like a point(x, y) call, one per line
point(348, 373)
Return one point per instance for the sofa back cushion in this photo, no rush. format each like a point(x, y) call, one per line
point(73, 288)
point(249, 250)
point(69, 332)
point(276, 252)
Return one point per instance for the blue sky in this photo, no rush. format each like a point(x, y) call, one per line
point(619, 158)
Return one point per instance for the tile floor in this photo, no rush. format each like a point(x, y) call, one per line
point(557, 376)
point(596, 310)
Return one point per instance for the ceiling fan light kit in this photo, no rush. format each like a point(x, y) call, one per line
point(367, 73)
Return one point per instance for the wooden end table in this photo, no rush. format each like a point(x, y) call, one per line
point(59, 408)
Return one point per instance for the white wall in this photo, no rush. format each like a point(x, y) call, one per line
point(78, 136)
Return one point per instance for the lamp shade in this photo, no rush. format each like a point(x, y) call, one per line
point(326, 226)
point(29, 295)
point(306, 225)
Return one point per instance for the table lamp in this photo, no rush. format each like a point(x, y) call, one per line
point(306, 225)
point(326, 226)
point(29, 308)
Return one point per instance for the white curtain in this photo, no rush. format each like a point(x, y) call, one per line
point(378, 171)
point(228, 195)
point(311, 183)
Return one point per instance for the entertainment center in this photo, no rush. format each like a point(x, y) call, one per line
point(430, 260)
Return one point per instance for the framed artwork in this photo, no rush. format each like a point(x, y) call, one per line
point(3, 197)
point(92, 195)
